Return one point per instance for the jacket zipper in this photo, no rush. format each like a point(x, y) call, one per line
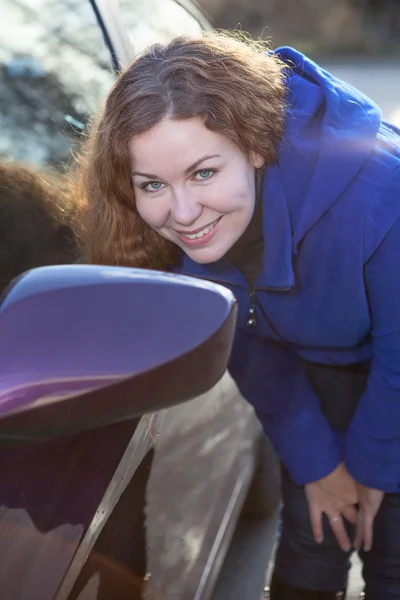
point(251, 320)
point(251, 315)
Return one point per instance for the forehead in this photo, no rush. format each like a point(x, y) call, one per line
point(176, 143)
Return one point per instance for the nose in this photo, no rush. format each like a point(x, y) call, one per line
point(185, 208)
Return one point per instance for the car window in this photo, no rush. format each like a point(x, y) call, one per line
point(158, 21)
point(55, 69)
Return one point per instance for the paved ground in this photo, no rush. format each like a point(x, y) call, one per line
point(245, 568)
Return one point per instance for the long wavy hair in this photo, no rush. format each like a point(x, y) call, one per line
point(233, 83)
point(35, 220)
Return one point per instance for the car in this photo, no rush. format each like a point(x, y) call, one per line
point(140, 507)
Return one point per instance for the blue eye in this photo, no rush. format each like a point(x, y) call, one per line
point(153, 186)
point(204, 174)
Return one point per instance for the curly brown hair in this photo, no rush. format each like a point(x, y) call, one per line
point(35, 220)
point(233, 83)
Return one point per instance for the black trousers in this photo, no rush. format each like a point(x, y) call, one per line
point(303, 563)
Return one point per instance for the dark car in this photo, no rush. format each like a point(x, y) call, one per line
point(147, 506)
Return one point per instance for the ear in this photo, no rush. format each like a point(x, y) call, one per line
point(257, 160)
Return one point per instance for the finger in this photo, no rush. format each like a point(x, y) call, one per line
point(368, 530)
point(359, 537)
point(339, 530)
point(316, 523)
point(350, 513)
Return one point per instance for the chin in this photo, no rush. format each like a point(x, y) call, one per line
point(205, 256)
point(203, 260)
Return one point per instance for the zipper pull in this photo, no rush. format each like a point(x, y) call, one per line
point(251, 317)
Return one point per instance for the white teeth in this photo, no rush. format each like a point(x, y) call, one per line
point(195, 236)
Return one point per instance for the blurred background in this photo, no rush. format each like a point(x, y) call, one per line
point(332, 27)
point(357, 40)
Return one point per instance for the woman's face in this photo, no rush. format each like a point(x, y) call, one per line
point(193, 186)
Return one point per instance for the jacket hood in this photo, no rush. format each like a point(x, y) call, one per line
point(330, 130)
point(341, 125)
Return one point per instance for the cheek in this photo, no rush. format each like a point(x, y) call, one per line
point(235, 194)
point(153, 212)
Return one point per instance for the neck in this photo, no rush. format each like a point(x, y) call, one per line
point(252, 237)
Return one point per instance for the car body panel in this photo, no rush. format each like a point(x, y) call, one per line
point(205, 459)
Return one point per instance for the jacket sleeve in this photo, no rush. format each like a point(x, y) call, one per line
point(274, 381)
point(372, 444)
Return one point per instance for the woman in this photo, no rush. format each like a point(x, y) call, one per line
point(262, 171)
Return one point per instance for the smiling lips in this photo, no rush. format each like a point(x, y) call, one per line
point(199, 237)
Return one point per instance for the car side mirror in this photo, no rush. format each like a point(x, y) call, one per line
point(84, 346)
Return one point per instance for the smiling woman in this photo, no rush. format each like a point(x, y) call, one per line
point(217, 158)
point(178, 154)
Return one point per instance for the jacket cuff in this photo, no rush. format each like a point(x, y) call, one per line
point(307, 446)
point(367, 468)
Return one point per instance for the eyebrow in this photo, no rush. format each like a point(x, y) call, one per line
point(187, 171)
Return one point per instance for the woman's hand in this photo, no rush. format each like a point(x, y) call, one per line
point(335, 496)
point(369, 500)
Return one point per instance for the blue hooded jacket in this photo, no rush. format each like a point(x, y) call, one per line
point(329, 289)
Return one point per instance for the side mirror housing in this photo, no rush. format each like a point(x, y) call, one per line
point(85, 346)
